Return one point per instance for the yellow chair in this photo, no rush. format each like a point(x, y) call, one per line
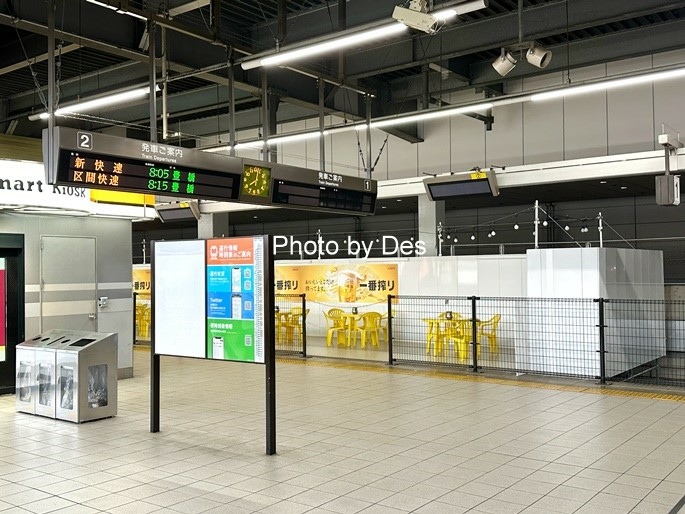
point(369, 328)
point(281, 324)
point(458, 331)
point(488, 329)
point(334, 325)
point(294, 323)
point(384, 324)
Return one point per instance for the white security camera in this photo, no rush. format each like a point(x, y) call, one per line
point(416, 19)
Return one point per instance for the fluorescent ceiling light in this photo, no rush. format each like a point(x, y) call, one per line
point(431, 115)
point(95, 103)
point(325, 46)
point(609, 84)
point(293, 137)
point(117, 9)
point(458, 10)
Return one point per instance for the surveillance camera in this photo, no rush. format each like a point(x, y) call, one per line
point(416, 19)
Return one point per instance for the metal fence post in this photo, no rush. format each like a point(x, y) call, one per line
point(390, 359)
point(474, 332)
point(602, 347)
point(135, 318)
point(304, 325)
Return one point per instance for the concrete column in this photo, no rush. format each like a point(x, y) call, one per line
point(430, 214)
point(212, 225)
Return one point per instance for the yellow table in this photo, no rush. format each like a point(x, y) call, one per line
point(350, 326)
point(434, 334)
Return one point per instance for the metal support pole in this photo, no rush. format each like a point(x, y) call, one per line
point(231, 106)
point(165, 113)
point(537, 222)
point(390, 358)
point(153, 81)
point(155, 360)
point(600, 229)
point(270, 348)
point(282, 22)
point(322, 121)
point(474, 333)
point(342, 25)
point(135, 318)
point(265, 114)
point(602, 343)
point(368, 137)
point(51, 85)
point(304, 325)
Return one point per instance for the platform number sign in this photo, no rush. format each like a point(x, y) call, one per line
point(84, 140)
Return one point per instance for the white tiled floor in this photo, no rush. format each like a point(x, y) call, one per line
point(349, 440)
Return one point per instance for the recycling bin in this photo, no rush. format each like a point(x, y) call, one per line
point(86, 378)
point(68, 374)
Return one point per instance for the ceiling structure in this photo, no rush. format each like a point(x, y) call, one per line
point(101, 50)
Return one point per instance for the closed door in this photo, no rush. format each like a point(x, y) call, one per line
point(68, 280)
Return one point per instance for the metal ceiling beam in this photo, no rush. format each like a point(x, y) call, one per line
point(38, 58)
point(187, 7)
point(493, 32)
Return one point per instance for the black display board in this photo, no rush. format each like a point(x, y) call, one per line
point(100, 161)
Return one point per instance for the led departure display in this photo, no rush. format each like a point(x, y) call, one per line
point(99, 171)
point(329, 198)
point(100, 161)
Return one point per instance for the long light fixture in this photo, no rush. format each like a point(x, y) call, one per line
point(346, 41)
point(325, 46)
point(95, 103)
point(464, 109)
point(430, 115)
point(116, 9)
point(609, 84)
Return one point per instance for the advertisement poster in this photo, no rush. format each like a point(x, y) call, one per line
point(142, 286)
point(235, 302)
point(3, 310)
point(338, 284)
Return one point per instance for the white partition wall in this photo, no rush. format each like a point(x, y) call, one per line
point(618, 275)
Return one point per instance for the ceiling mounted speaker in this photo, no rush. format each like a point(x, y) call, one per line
point(538, 56)
point(504, 63)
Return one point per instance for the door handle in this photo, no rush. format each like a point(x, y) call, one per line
point(92, 317)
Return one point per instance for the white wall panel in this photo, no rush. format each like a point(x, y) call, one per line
point(434, 151)
point(543, 131)
point(402, 158)
point(630, 117)
point(505, 140)
point(468, 143)
point(669, 107)
point(585, 126)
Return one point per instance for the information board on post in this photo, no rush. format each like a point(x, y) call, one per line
point(235, 299)
point(209, 298)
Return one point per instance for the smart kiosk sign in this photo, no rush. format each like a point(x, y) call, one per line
point(210, 300)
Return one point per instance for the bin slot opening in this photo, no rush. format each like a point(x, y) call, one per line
point(57, 340)
point(82, 342)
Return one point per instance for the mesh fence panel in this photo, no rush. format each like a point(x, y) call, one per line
point(645, 341)
point(290, 323)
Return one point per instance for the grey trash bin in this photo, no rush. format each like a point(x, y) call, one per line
point(69, 375)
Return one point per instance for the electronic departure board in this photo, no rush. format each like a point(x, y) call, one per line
point(99, 171)
point(101, 161)
point(293, 194)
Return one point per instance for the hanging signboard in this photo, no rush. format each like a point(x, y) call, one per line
point(99, 161)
